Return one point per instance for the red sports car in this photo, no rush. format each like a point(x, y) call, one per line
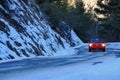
point(97, 44)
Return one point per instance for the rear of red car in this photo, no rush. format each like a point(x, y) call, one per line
point(97, 44)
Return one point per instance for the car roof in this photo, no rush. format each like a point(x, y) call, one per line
point(97, 40)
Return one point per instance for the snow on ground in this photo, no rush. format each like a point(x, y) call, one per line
point(115, 45)
point(61, 53)
point(100, 68)
point(27, 34)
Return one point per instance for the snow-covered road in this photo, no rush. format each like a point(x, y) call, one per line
point(83, 66)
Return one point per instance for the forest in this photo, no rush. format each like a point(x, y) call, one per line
point(86, 24)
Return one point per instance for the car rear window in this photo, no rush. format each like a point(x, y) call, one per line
point(97, 41)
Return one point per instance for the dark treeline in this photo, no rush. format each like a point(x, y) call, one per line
point(84, 24)
point(110, 26)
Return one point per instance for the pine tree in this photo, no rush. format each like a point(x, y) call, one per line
point(111, 23)
point(114, 18)
point(75, 17)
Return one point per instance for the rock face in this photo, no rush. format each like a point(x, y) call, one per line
point(24, 32)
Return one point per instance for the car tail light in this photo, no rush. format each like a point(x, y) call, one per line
point(103, 45)
point(90, 44)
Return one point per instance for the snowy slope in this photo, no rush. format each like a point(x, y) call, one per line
point(24, 32)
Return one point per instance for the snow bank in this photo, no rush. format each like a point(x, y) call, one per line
point(114, 45)
point(24, 32)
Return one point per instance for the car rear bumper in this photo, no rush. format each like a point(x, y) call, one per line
point(97, 48)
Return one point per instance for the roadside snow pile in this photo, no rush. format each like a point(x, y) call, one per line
point(114, 45)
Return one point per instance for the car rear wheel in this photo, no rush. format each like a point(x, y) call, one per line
point(103, 50)
point(89, 50)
